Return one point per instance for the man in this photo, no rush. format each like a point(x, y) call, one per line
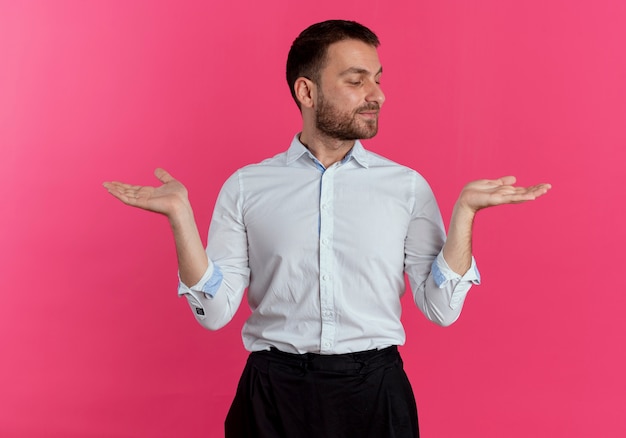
point(322, 236)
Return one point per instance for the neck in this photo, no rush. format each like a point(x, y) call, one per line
point(326, 149)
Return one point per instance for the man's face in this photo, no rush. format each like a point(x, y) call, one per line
point(349, 95)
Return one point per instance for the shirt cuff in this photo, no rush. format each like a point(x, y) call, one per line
point(208, 284)
point(442, 274)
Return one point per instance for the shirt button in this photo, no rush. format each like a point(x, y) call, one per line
point(327, 344)
point(324, 277)
point(324, 241)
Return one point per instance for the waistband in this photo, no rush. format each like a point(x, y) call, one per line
point(330, 362)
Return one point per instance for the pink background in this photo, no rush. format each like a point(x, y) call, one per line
point(94, 341)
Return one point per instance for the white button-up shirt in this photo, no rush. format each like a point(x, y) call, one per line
point(323, 253)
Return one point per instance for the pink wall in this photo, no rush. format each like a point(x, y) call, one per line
point(94, 341)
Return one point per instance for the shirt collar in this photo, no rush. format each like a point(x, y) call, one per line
point(297, 149)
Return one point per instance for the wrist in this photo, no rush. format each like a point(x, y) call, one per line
point(180, 214)
point(464, 210)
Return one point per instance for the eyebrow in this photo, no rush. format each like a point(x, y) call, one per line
point(359, 70)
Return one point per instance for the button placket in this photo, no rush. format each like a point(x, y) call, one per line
point(327, 298)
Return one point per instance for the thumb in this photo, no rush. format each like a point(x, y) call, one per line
point(163, 175)
point(507, 180)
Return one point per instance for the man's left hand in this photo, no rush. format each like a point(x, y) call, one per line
point(484, 193)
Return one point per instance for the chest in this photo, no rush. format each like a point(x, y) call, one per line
point(356, 211)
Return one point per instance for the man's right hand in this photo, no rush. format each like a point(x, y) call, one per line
point(166, 199)
point(171, 200)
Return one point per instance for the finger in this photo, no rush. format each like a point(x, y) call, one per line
point(544, 186)
point(538, 189)
point(541, 189)
point(527, 194)
point(120, 194)
point(116, 185)
point(163, 175)
point(507, 180)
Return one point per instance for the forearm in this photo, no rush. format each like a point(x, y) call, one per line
point(475, 196)
point(444, 292)
point(192, 258)
point(457, 250)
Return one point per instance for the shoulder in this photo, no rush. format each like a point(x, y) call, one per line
point(259, 176)
point(278, 160)
point(378, 162)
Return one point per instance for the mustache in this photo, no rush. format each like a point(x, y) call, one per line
point(372, 106)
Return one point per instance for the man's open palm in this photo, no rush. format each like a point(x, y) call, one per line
point(163, 199)
point(488, 193)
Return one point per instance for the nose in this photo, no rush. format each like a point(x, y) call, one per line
point(375, 94)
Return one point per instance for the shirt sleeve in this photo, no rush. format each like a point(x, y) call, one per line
point(215, 298)
point(205, 289)
point(459, 286)
point(438, 291)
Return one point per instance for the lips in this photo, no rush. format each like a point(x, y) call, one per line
point(369, 114)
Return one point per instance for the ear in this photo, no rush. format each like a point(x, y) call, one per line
point(305, 90)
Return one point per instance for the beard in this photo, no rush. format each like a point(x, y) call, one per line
point(345, 125)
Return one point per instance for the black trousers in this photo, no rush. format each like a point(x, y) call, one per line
point(282, 395)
